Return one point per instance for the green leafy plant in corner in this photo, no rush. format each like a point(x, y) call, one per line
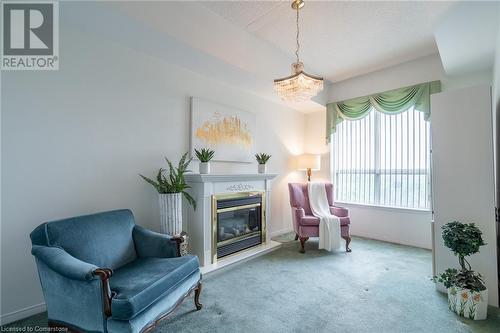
point(174, 182)
point(205, 154)
point(464, 240)
point(262, 158)
point(448, 278)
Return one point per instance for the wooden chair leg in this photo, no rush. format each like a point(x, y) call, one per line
point(347, 242)
point(197, 293)
point(302, 242)
point(296, 236)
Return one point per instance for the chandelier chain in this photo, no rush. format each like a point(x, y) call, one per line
point(299, 86)
point(297, 38)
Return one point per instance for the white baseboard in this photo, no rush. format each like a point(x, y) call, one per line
point(22, 313)
point(280, 232)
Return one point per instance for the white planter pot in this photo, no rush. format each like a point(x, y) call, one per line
point(171, 213)
point(262, 168)
point(204, 168)
point(468, 304)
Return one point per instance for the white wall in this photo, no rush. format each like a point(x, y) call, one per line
point(496, 125)
point(496, 112)
point(403, 226)
point(417, 71)
point(466, 48)
point(409, 227)
point(464, 188)
point(315, 144)
point(75, 140)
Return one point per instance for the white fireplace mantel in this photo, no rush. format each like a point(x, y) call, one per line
point(198, 223)
point(213, 178)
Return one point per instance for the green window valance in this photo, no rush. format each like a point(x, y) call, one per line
point(389, 102)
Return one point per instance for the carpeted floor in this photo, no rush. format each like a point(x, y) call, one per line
point(379, 287)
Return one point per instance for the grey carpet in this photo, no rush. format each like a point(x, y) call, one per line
point(379, 287)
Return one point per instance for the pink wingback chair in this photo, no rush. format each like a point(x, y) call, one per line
point(305, 224)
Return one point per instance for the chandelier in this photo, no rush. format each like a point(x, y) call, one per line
point(299, 86)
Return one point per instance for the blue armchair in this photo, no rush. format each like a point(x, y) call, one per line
point(104, 273)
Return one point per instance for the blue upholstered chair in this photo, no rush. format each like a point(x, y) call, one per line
point(104, 273)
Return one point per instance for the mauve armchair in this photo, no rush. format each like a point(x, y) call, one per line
point(104, 273)
point(305, 224)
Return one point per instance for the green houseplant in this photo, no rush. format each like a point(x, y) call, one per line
point(204, 155)
point(467, 294)
point(171, 188)
point(262, 159)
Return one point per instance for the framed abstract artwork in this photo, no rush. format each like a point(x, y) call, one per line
point(227, 130)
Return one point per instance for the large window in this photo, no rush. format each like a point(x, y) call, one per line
point(383, 160)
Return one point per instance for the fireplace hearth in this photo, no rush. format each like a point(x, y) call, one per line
point(237, 222)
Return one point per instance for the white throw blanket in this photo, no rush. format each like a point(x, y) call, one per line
point(329, 225)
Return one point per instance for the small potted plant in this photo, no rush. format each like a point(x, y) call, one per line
point(467, 294)
point(171, 188)
point(204, 155)
point(262, 159)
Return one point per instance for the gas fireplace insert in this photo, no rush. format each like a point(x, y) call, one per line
point(238, 222)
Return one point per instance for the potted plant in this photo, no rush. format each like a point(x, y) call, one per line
point(204, 155)
point(171, 189)
point(262, 159)
point(467, 294)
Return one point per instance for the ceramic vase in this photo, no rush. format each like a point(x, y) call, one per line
point(204, 168)
point(262, 168)
point(171, 213)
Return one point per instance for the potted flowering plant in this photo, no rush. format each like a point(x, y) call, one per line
point(467, 294)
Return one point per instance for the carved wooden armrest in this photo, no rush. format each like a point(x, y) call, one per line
point(104, 274)
point(178, 241)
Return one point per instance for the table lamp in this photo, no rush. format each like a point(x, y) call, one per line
point(309, 162)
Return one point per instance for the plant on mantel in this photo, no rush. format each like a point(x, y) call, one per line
point(171, 188)
point(467, 294)
point(204, 155)
point(262, 159)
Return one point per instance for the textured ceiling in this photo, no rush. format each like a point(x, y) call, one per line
point(341, 40)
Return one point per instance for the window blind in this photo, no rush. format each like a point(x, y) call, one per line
point(383, 160)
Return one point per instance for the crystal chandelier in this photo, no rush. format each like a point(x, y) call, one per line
point(299, 86)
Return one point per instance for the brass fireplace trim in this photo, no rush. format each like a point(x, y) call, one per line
point(225, 196)
point(238, 238)
point(230, 209)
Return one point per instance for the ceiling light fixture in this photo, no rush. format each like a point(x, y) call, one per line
point(299, 86)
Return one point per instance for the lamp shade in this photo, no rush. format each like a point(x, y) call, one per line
point(308, 161)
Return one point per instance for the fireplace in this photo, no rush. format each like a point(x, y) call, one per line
point(237, 222)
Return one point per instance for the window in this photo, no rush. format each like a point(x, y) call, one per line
point(383, 160)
